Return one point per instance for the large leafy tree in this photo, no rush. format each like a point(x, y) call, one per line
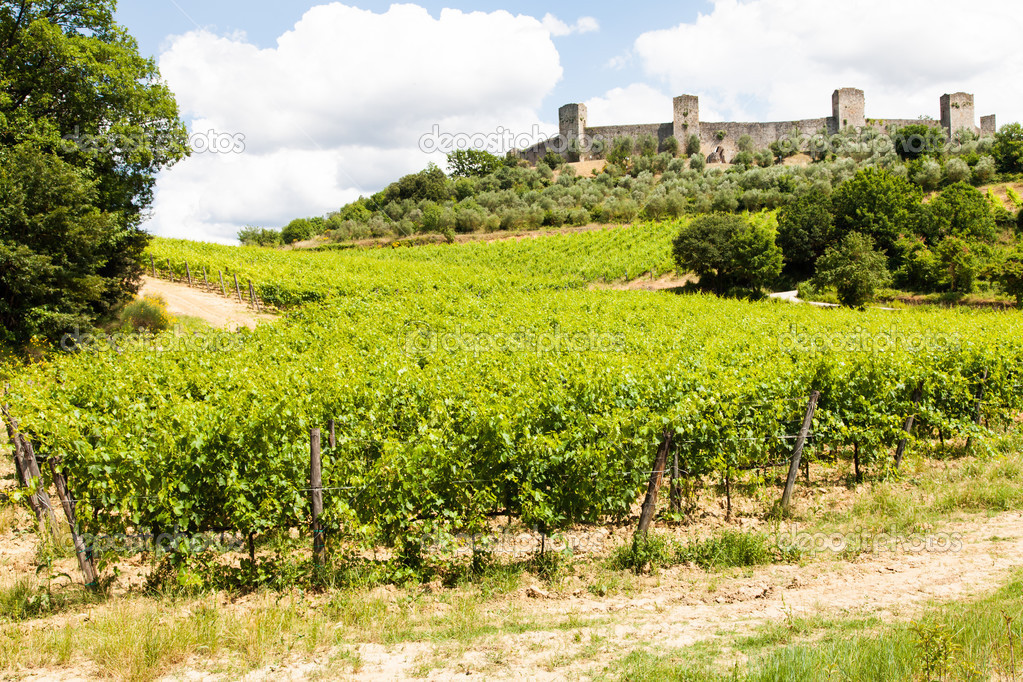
point(806, 228)
point(854, 268)
point(85, 125)
point(962, 211)
point(880, 204)
point(727, 251)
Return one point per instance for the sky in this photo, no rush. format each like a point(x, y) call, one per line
point(297, 107)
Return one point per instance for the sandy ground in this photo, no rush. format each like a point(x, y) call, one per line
point(216, 310)
point(683, 606)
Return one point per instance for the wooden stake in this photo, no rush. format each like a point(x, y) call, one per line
point(223, 289)
point(238, 289)
point(332, 438)
point(977, 413)
point(205, 282)
point(170, 271)
point(728, 493)
point(675, 493)
point(152, 261)
point(316, 484)
point(797, 452)
point(188, 273)
point(28, 469)
point(650, 503)
point(856, 462)
point(907, 427)
point(83, 553)
point(252, 296)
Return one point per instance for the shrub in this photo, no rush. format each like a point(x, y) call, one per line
point(727, 251)
point(147, 314)
point(957, 170)
point(670, 146)
point(959, 264)
point(259, 236)
point(297, 230)
point(1008, 148)
point(918, 140)
point(552, 160)
point(697, 162)
point(745, 144)
point(854, 268)
point(880, 204)
point(693, 145)
point(985, 170)
point(469, 163)
point(1011, 275)
point(928, 174)
point(806, 228)
point(647, 145)
point(961, 210)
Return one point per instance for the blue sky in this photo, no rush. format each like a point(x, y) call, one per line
point(583, 56)
point(307, 105)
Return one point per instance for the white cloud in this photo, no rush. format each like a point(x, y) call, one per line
point(338, 107)
point(559, 28)
point(781, 59)
point(635, 104)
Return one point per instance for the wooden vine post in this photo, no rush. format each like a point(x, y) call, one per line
point(238, 289)
point(152, 261)
point(170, 271)
point(650, 503)
point(223, 289)
point(977, 411)
point(252, 296)
point(332, 435)
point(188, 273)
point(316, 487)
point(907, 427)
point(205, 281)
point(675, 494)
point(84, 554)
point(797, 452)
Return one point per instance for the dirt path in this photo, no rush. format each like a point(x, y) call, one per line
point(220, 312)
point(683, 606)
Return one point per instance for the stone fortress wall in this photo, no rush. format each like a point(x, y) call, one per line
point(720, 139)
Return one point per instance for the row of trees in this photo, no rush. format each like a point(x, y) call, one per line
point(872, 231)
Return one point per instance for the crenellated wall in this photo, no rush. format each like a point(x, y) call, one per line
point(848, 110)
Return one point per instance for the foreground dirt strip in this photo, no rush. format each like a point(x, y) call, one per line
point(682, 606)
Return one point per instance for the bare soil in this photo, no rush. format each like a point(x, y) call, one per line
point(218, 311)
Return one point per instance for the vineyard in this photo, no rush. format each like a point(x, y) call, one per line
point(466, 382)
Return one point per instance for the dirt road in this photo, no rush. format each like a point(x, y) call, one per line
point(218, 311)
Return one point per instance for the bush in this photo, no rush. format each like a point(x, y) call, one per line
point(1008, 148)
point(727, 251)
point(670, 146)
point(259, 236)
point(697, 162)
point(472, 163)
point(552, 160)
point(745, 144)
point(957, 170)
point(297, 230)
point(147, 314)
point(806, 228)
point(879, 204)
point(959, 265)
point(961, 210)
point(854, 268)
point(985, 170)
point(918, 140)
point(928, 174)
point(693, 145)
point(647, 145)
point(1011, 275)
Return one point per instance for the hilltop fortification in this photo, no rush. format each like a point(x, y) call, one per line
point(718, 139)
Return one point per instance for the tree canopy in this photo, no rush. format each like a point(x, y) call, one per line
point(85, 124)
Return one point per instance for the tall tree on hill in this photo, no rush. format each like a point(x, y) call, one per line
point(85, 125)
